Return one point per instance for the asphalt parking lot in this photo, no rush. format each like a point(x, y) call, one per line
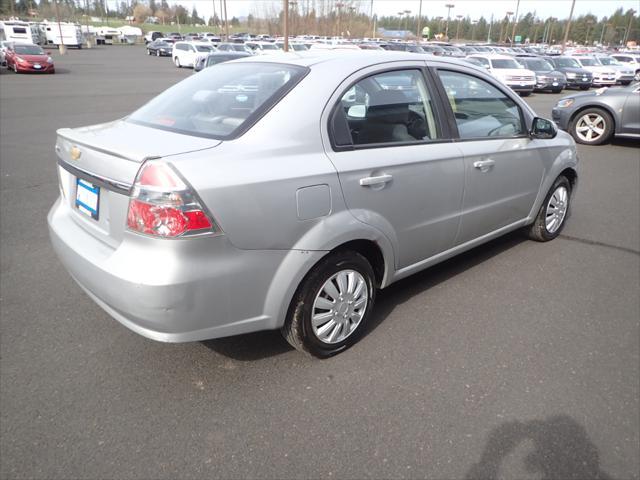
point(515, 360)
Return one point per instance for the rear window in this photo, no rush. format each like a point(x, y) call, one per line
point(220, 102)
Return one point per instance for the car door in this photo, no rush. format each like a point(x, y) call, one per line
point(503, 165)
point(398, 170)
point(631, 112)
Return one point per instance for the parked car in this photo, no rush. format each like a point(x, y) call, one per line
point(293, 46)
point(509, 71)
point(152, 37)
point(577, 77)
point(593, 118)
point(547, 77)
point(433, 49)
point(160, 48)
point(234, 47)
point(601, 75)
point(624, 73)
point(631, 60)
point(263, 195)
point(186, 54)
point(218, 57)
point(28, 58)
point(263, 48)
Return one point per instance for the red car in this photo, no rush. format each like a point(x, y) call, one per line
point(24, 57)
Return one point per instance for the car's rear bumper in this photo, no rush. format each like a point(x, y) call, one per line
point(178, 290)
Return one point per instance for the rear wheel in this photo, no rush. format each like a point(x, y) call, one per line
point(176, 61)
point(585, 88)
point(593, 126)
point(556, 90)
point(332, 305)
point(157, 53)
point(525, 94)
point(553, 212)
point(148, 52)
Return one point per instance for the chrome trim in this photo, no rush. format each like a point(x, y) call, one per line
point(107, 183)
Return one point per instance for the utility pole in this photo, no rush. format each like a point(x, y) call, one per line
point(285, 6)
point(566, 32)
point(515, 23)
point(489, 32)
point(473, 30)
point(373, 21)
point(459, 17)
point(61, 46)
point(419, 29)
point(446, 28)
point(604, 29)
point(586, 37)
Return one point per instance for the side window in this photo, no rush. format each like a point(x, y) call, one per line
point(391, 107)
point(483, 61)
point(480, 109)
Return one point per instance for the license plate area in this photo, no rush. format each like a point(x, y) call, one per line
point(87, 198)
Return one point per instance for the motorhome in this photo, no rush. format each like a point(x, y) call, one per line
point(63, 33)
point(106, 35)
point(19, 32)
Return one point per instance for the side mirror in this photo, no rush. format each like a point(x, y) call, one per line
point(543, 129)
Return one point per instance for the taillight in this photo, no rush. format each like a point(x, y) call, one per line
point(163, 205)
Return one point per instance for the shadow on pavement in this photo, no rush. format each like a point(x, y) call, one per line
point(562, 450)
point(625, 142)
point(259, 345)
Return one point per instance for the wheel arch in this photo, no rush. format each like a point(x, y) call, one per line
point(601, 106)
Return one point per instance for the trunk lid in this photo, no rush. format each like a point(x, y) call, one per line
point(97, 166)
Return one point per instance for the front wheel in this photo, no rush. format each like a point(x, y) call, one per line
point(585, 88)
point(556, 90)
point(176, 61)
point(157, 53)
point(332, 305)
point(553, 212)
point(593, 126)
point(525, 94)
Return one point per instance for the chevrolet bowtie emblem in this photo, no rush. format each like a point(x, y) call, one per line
point(75, 153)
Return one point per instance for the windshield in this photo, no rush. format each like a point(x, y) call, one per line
point(609, 61)
point(299, 47)
point(269, 46)
point(589, 62)
point(220, 100)
point(203, 48)
point(238, 48)
point(566, 62)
point(28, 50)
point(538, 65)
point(219, 58)
point(506, 63)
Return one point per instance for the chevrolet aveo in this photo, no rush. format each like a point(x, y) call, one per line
point(281, 192)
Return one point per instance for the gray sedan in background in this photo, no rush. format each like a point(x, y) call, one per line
point(280, 192)
point(593, 118)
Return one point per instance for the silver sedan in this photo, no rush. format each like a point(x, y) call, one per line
point(281, 192)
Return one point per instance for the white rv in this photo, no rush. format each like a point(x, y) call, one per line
point(63, 33)
point(106, 35)
point(19, 32)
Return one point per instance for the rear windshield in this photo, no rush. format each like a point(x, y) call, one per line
point(221, 101)
point(29, 50)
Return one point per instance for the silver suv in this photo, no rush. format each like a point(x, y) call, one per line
point(280, 193)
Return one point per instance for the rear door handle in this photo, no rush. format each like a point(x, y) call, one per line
point(484, 165)
point(369, 181)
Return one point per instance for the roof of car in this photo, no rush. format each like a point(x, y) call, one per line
point(491, 56)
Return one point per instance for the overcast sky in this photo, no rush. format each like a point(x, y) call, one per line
point(431, 8)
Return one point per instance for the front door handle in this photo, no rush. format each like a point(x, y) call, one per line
point(369, 181)
point(484, 165)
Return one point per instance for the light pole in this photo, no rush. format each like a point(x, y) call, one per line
point(419, 29)
point(604, 29)
point(459, 17)
point(473, 29)
point(586, 37)
point(339, 5)
point(566, 31)
point(351, 10)
point(400, 14)
point(626, 36)
point(446, 30)
point(406, 19)
point(285, 10)
point(62, 48)
point(506, 30)
point(624, 29)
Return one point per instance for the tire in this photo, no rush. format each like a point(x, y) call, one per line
point(558, 200)
point(15, 68)
point(336, 273)
point(176, 62)
point(157, 53)
point(637, 76)
point(626, 82)
point(525, 94)
point(148, 52)
point(556, 90)
point(593, 126)
point(585, 88)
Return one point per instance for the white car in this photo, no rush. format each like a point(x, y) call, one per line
point(263, 48)
point(508, 71)
point(631, 60)
point(186, 54)
point(602, 75)
point(624, 73)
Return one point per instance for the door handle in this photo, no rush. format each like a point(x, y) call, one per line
point(369, 181)
point(484, 165)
